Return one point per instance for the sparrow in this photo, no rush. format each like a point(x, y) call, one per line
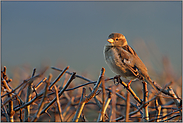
point(123, 60)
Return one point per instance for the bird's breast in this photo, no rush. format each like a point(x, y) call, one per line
point(113, 60)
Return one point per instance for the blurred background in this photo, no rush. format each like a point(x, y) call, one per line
point(60, 34)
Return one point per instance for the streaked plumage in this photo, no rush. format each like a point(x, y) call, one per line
point(123, 60)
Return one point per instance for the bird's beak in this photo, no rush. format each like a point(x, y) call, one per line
point(110, 40)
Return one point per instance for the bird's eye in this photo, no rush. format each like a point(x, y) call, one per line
point(116, 39)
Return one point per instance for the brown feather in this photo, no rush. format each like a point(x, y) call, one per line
point(129, 49)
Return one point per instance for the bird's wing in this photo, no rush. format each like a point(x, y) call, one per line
point(134, 57)
point(131, 61)
point(138, 68)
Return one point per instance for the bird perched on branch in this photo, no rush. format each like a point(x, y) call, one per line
point(123, 60)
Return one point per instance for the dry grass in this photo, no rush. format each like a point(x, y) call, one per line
point(39, 98)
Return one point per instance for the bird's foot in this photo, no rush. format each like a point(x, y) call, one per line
point(128, 85)
point(117, 79)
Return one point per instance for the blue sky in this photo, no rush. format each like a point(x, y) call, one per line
point(74, 33)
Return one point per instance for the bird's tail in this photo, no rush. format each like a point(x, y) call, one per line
point(148, 80)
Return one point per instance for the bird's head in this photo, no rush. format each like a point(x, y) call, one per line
point(117, 39)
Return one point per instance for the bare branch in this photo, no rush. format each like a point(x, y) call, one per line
point(131, 91)
point(127, 106)
point(58, 104)
point(60, 93)
point(36, 116)
point(28, 98)
point(90, 96)
point(58, 78)
point(80, 107)
point(158, 109)
point(145, 108)
point(108, 100)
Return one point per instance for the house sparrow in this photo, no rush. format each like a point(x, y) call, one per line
point(123, 60)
